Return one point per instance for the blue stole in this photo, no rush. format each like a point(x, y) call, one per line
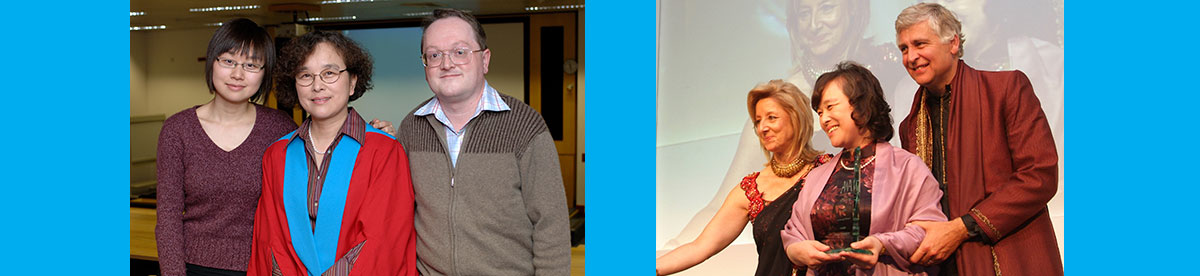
point(317, 249)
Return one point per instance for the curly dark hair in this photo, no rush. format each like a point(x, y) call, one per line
point(242, 36)
point(871, 111)
point(293, 55)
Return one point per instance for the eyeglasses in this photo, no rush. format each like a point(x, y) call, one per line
point(327, 76)
point(457, 56)
point(249, 67)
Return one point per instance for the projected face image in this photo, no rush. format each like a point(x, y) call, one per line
point(821, 24)
point(972, 16)
point(774, 126)
point(926, 58)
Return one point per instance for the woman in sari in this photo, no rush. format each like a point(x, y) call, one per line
point(210, 158)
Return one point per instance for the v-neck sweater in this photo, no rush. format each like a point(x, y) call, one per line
point(206, 195)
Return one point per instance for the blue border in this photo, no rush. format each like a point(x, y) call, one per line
point(66, 173)
point(1129, 110)
point(1131, 123)
point(620, 63)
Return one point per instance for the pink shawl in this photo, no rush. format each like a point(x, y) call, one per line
point(904, 191)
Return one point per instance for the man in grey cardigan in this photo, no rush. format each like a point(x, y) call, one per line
point(485, 171)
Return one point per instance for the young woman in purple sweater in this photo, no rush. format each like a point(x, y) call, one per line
point(210, 158)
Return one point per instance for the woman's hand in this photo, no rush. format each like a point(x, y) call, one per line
point(811, 253)
point(864, 261)
point(724, 227)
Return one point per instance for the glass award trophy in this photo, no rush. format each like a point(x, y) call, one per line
point(854, 216)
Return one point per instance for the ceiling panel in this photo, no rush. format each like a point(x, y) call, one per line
point(175, 14)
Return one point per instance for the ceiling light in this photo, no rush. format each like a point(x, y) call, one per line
point(137, 13)
point(352, 17)
point(224, 8)
point(559, 7)
point(146, 28)
point(415, 14)
point(218, 24)
point(344, 1)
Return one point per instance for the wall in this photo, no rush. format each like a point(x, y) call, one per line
point(400, 79)
point(581, 110)
point(137, 73)
point(174, 78)
point(165, 76)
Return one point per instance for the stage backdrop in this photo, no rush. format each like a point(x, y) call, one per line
point(712, 52)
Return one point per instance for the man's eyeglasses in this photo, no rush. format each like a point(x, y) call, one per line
point(457, 56)
point(327, 76)
point(249, 67)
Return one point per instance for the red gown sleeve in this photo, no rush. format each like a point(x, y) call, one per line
point(264, 219)
point(390, 247)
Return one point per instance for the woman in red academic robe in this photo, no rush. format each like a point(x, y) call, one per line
point(337, 198)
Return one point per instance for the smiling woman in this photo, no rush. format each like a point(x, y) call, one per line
point(850, 106)
point(861, 206)
point(359, 172)
point(782, 122)
point(213, 152)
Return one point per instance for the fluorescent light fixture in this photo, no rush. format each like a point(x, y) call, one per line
point(146, 28)
point(559, 7)
point(352, 17)
point(344, 1)
point(428, 13)
point(218, 24)
point(137, 13)
point(223, 8)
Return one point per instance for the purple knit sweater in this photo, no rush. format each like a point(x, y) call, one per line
point(207, 196)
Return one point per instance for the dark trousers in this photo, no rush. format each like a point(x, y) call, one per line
point(195, 270)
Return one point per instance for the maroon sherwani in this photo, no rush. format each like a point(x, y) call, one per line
point(1001, 168)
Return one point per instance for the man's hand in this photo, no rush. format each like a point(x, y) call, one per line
point(384, 126)
point(941, 240)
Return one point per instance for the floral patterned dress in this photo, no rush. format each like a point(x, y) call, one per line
point(832, 222)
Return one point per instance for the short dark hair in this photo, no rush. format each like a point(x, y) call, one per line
point(291, 58)
point(480, 36)
point(242, 36)
point(871, 111)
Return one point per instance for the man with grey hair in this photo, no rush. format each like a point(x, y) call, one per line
point(985, 138)
point(489, 192)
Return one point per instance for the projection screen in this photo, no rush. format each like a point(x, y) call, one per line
point(711, 53)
